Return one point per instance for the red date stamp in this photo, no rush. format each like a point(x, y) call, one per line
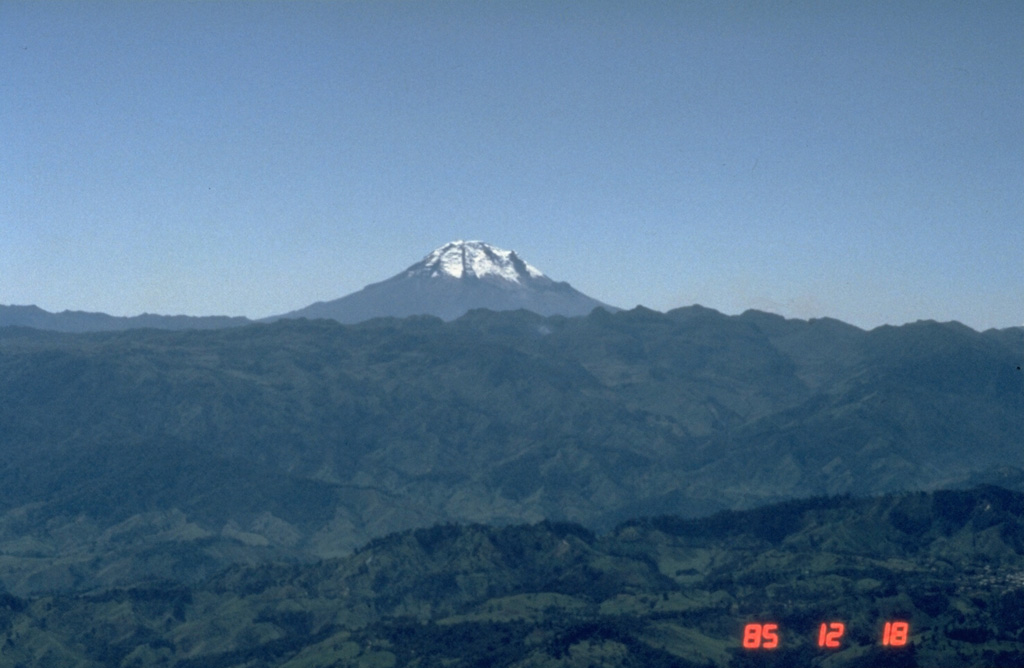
point(761, 635)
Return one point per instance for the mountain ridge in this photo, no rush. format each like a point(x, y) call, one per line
point(91, 321)
point(649, 593)
point(308, 438)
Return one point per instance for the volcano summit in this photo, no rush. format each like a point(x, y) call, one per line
point(453, 279)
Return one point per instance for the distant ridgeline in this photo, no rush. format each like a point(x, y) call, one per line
point(913, 579)
point(149, 454)
point(450, 281)
point(83, 321)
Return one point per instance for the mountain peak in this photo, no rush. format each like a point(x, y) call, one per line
point(460, 259)
point(452, 280)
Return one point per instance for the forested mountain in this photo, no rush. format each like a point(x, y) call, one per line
point(914, 579)
point(152, 454)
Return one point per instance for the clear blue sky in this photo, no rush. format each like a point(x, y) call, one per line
point(858, 160)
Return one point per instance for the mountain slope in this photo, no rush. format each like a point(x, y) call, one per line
point(168, 454)
point(654, 592)
point(456, 278)
point(453, 279)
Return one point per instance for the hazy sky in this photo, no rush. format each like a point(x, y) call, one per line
point(859, 160)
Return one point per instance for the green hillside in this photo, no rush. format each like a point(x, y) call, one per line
point(153, 455)
point(667, 591)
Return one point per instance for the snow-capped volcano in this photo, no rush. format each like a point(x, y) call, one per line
point(474, 258)
point(453, 279)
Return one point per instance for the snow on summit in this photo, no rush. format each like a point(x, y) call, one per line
point(454, 279)
point(477, 259)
